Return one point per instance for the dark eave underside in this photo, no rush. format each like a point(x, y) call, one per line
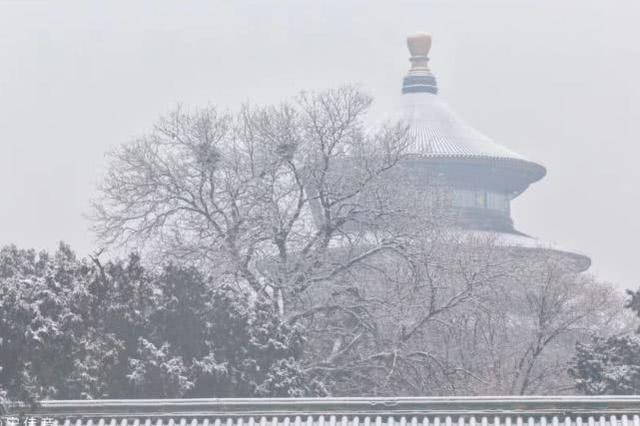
point(509, 175)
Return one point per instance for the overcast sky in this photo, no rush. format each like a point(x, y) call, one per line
point(557, 81)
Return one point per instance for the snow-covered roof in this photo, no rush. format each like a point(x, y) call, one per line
point(581, 261)
point(445, 411)
point(438, 132)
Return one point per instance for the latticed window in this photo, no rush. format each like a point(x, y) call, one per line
point(481, 200)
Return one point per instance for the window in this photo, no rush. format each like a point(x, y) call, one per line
point(481, 200)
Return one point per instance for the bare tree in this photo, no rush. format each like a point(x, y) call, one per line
point(373, 330)
point(260, 194)
point(518, 336)
point(451, 314)
point(558, 307)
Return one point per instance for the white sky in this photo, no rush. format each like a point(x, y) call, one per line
point(556, 80)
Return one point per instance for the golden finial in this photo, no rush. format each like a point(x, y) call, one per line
point(419, 46)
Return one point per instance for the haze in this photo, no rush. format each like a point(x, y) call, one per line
point(555, 81)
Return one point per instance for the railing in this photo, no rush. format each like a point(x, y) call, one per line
point(444, 411)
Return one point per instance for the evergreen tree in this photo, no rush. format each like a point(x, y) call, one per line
point(74, 328)
point(610, 366)
point(42, 326)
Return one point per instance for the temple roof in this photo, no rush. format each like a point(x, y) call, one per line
point(517, 240)
point(438, 132)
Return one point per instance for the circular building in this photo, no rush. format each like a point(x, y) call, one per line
point(481, 177)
